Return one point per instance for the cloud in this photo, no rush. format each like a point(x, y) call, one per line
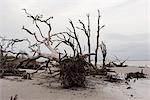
point(126, 21)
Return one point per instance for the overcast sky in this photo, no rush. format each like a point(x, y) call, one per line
point(127, 31)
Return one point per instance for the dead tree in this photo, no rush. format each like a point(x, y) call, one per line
point(120, 63)
point(69, 38)
point(87, 33)
point(97, 39)
point(71, 68)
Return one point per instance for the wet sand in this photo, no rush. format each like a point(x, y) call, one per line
point(41, 88)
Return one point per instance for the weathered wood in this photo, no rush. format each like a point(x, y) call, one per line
point(73, 72)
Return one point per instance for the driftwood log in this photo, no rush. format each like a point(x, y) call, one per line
point(135, 75)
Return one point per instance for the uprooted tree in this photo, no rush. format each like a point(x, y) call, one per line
point(72, 68)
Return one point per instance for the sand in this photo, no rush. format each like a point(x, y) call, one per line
point(43, 88)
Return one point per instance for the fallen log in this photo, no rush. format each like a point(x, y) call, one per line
point(11, 72)
point(135, 75)
point(113, 78)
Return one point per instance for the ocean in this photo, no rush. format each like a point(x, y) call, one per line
point(135, 63)
point(138, 63)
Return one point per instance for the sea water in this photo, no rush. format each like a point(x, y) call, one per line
point(138, 63)
point(133, 63)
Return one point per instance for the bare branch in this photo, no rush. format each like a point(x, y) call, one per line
point(46, 40)
point(31, 34)
point(87, 33)
point(76, 38)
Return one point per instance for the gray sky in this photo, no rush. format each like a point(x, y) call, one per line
point(127, 31)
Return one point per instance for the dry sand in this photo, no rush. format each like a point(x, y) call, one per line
point(41, 88)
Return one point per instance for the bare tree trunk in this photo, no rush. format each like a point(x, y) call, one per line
point(97, 39)
point(103, 61)
point(98, 34)
point(89, 50)
point(104, 53)
point(89, 45)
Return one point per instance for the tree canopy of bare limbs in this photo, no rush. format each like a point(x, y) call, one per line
point(46, 40)
point(69, 38)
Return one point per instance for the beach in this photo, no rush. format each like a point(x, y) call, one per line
point(43, 88)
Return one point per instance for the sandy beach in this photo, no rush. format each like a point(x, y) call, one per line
point(43, 88)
